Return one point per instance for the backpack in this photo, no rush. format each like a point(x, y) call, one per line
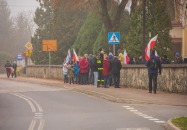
point(153, 64)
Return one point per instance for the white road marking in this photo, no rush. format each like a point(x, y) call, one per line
point(154, 119)
point(38, 106)
point(32, 125)
point(131, 109)
point(28, 101)
point(41, 125)
point(38, 112)
point(125, 106)
point(159, 121)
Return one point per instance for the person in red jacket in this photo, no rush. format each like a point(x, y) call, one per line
point(83, 65)
point(106, 70)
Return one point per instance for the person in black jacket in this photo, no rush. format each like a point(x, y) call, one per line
point(14, 66)
point(8, 68)
point(154, 67)
point(115, 67)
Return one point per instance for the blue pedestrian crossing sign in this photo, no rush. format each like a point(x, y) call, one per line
point(113, 38)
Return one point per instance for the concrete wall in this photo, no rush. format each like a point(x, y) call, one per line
point(173, 78)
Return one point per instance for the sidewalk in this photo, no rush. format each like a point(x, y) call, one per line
point(120, 95)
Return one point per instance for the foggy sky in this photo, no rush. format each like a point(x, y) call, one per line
point(17, 6)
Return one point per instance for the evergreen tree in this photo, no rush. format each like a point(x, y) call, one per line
point(43, 19)
point(157, 22)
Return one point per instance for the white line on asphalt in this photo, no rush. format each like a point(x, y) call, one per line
point(32, 125)
point(129, 108)
point(41, 125)
point(38, 106)
point(148, 117)
point(159, 121)
point(154, 119)
point(134, 110)
point(143, 115)
point(37, 115)
point(28, 101)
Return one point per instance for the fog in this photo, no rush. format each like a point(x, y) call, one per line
point(17, 6)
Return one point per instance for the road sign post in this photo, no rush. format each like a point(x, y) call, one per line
point(114, 38)
point(49, 45)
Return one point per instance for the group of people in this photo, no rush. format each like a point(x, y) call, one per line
point(99, 70)
point(11, 69)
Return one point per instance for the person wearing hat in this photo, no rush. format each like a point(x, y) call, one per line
point(178, 58)
point(115, 67)
point(154, 67)
point(8, 68)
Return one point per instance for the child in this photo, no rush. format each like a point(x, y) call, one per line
point(76, 72)
point(70, 73)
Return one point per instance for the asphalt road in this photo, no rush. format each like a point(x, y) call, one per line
point(29, 106)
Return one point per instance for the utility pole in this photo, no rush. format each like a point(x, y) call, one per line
point(144, 28)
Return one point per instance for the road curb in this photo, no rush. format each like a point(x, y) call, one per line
point(108, 97)
point(170, 126)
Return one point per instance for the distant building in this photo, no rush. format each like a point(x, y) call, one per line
point(179, 31)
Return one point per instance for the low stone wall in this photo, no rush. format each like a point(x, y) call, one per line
point(44, 71)
point(173, 78)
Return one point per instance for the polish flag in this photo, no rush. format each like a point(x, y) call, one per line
point(68, 57)
point(150, 46)
point(156, 54)
point(126, 58)
point(75, 57)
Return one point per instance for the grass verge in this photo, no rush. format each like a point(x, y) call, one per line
point(180, 122)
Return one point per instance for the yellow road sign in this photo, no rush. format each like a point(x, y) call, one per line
point(28, 45)
point(28, 52)
point(49, 45)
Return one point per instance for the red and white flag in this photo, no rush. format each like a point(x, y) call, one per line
point(68, 57)
point(150, 46)
point(75, 57)
point(126, 58)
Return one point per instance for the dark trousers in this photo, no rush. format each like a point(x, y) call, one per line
point(100, 80)
point(65, 78)
point(116, 77)
point(15, 75)
point(71, 80)
point(153, 80)
point(8, 72)
point(76, 79)
point(84, 78)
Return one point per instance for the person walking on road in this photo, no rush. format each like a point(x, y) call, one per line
point(115, 67)
point(154, 67)
point(8, 67)
point(14, 66)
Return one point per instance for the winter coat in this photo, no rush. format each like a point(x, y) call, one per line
point(83, 64)
point(115, 66)
point(106, 68)
point(158, 64)
point(65, 69)
point(70, 71)
point(76, 69)
point(94, 65)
